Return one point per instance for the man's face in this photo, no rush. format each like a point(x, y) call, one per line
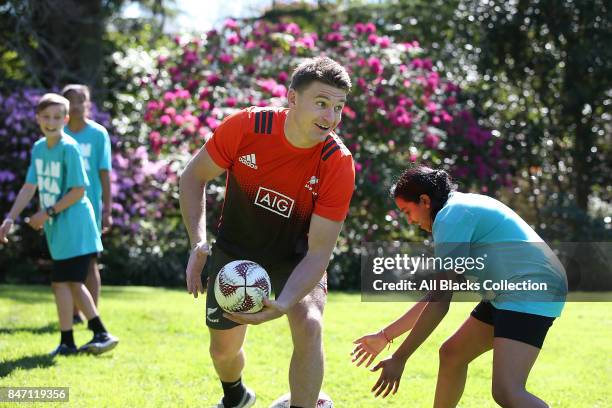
point(52, 120)
point(317, 109)
point(78, 104)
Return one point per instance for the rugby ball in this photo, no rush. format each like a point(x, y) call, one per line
point(241, 287)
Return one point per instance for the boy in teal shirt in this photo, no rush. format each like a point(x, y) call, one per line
point(67, 217)
point(95, 147)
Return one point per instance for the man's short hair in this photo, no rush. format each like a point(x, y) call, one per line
point(49, 99)
point(80, 88)
point(320, 69)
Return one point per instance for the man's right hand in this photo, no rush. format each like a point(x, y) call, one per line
point(197, 260)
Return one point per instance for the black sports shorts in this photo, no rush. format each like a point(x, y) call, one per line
point(524, 327)
point(71, 269)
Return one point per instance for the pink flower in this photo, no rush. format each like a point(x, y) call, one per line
point(446, 117)
point(168, 96)
point(179, 120)
point(400, 117)
point(279, 91)
point(212, 123)
point(370, 28)
point(384, 42)
point(165, 120)
point(431, 141)
point(231, 102)
point(349, 112)
point(233, 39)
point(226, 58)
point(205, 105)
point(170, 111)
point(183, 94)
point(152, 105)
point(283, 76)
point(375, 65)
point(293, 29)
point(373, 39)
point(230, 23)
point(307, 42)
point(250, 45)
point(360, 28)
point(334, 37)
point(358, 167)
point(431, 107)
point(212, 79)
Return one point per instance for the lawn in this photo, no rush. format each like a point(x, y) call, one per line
point(162, 360)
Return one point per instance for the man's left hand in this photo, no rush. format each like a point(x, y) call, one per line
point(271, 310)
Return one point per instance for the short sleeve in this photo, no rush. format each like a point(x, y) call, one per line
point(336, 190)
point(453, 230)
point(104, 163)
point(32, 177)
point(223, 145)
point(75, 169)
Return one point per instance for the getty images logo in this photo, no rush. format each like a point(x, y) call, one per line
point(274, 201)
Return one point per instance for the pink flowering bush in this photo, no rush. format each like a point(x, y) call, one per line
point(401, 110)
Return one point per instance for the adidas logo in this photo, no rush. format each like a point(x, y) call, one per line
point(248, 160)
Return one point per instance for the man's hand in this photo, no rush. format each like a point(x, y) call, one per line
point(5, 230)
point(37, 220)
point(107, 221)
point(271, 310)
point(368, 347)
point(197, 260)
point(389, 380)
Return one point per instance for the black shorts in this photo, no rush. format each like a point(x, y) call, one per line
point(524, 327)
point(71, 269)
point(216, 260)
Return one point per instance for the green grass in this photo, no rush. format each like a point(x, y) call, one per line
point(162, 360)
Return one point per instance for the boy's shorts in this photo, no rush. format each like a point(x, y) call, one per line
point(524, 327)
point(216, 260)
point(71, 269)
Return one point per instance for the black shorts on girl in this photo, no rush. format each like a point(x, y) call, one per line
point(71, 269)
point(524, 327)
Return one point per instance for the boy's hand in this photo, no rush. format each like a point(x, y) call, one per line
point(38, 220)
point(5, 229)
point(107, 221)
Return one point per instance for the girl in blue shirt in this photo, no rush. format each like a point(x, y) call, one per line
point(511, 322)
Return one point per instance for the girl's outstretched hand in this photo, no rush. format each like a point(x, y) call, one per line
point(389, 380)
point(367, 348)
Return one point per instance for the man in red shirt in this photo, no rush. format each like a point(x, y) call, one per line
point(288, 188)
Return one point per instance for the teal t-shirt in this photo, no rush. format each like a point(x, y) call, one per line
point(96, 152)
point(474, 225)
point(72, 232)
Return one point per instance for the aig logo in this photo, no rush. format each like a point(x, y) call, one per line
point(273, 201)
